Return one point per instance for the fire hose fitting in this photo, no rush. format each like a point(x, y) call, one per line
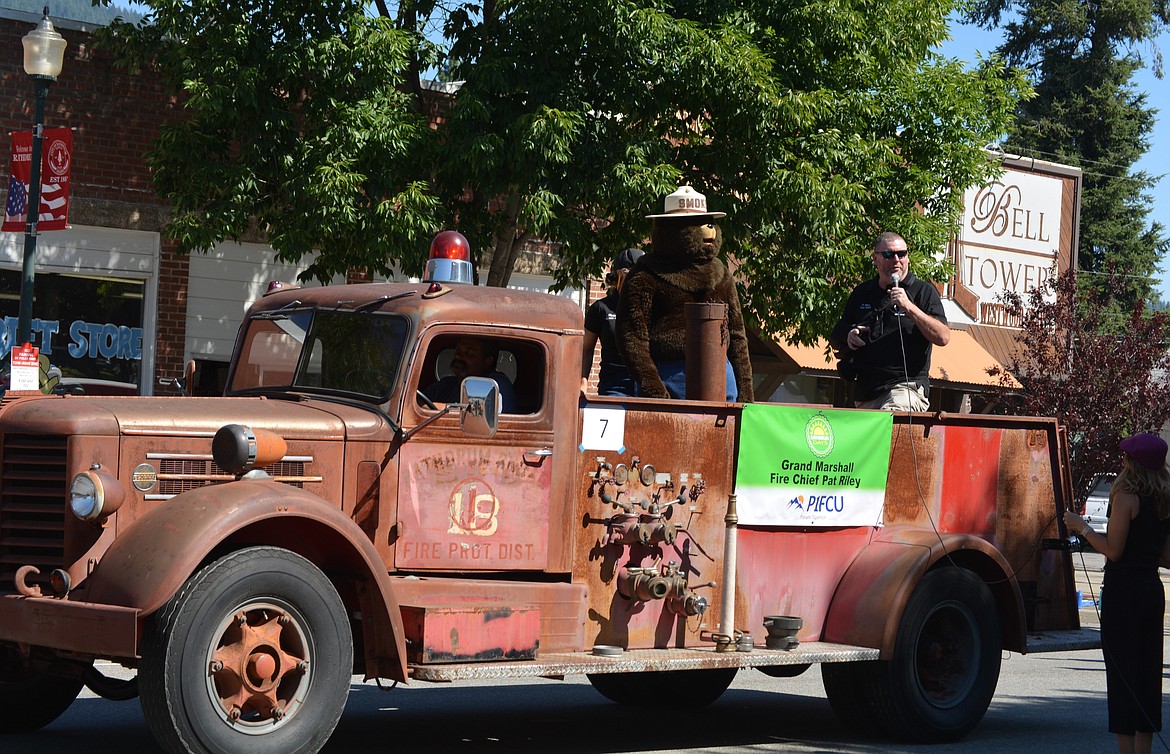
point(689, 604)
point(621, 529)
point(651, 532)
point(642, 584)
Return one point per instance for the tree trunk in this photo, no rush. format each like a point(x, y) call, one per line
point(507, 244)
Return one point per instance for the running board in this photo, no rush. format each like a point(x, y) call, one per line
point(560, 664)
point(1063, 641)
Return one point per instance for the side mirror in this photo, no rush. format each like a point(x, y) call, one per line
point(185, 385)
point(480, 412)
point(189, 377)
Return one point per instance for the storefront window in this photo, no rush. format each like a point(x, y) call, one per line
point(89, 327)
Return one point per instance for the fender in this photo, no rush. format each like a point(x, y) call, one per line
point(880, 580)
point(149, 561)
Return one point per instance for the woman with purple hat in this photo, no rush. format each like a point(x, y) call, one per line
point(1133, 601)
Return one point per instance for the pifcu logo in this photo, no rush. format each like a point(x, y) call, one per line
point(818, 434)
point(797, 502)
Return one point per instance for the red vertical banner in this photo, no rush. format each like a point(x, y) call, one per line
point(56, 160)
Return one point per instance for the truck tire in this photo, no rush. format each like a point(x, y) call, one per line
point(689, 689)
point(850, 689)
point(940, 680)
point(30, 701)
point(254, 653)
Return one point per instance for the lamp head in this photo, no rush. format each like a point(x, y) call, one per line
point(44, 50)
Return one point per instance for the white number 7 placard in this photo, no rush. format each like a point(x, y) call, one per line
point(603, 429)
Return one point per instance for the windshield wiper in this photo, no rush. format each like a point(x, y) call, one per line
point(379, 301)
point(278, 313)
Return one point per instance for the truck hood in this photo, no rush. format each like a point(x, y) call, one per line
point(292, 419)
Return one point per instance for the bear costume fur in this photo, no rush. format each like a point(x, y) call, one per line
point(683, 267)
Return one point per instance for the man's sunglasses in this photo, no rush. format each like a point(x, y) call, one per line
point(892, 254)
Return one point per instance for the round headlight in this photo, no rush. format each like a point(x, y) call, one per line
point(94, 495)
point(86, 496)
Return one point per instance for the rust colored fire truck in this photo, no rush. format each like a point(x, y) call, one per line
point(247, 554)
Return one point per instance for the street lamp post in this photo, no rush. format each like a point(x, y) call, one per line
point(44, 55)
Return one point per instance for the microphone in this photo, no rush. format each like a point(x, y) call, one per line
point(894, 280)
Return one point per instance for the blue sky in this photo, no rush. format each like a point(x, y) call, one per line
point(967, 40)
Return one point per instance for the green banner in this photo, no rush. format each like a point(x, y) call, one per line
point(812, 466)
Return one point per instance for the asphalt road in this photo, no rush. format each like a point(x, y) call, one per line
point(1044, 702)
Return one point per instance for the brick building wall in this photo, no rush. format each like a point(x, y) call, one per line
point(115, 118)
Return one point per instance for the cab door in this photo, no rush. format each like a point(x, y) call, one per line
point(468, 504)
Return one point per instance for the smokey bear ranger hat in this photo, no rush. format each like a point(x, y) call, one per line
point(686, 202)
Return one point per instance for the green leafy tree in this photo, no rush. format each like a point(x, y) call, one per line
point(1088, 113)
point(1104, 372)
point(814, 126)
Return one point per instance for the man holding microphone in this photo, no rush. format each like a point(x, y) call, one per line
point(890, 324)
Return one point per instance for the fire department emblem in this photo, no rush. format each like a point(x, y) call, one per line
point(474, 509)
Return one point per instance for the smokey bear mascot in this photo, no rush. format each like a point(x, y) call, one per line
point(684, 266)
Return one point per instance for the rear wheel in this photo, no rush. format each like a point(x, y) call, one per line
point(691, 689)
point(29, 700)
point(850, 689)
point(253, 654)
point(944, 670)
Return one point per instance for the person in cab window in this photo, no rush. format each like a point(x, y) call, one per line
point(473, 357)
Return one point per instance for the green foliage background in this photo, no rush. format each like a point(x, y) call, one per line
point(814, 126)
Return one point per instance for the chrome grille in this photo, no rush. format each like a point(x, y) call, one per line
point(33, 491)
point(179, 473)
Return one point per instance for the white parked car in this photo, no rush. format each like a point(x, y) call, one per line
point(1095, 507)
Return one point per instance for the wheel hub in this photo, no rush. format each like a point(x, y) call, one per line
point(259, 668)
point(947, 655)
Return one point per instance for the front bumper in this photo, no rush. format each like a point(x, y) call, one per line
point(86, 628)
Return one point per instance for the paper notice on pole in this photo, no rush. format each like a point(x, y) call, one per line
point(26, 368)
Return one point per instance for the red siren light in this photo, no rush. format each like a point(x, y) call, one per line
point(278, 285)
point(450, 259)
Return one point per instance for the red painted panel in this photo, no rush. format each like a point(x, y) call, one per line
point(970, 484)
point(471, 633)
point(785, 572)
point(470, 507)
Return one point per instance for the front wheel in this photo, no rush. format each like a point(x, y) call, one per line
point(689, 689)
point(254, 653)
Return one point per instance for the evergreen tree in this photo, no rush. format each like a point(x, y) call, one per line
point(75, 10)
point(1087, 113)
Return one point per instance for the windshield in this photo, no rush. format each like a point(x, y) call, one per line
point(330, 351)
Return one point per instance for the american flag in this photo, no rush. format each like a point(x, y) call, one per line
point(53, 202)
point(17, 201)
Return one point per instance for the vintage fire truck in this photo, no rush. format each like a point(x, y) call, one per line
point(247, 554)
